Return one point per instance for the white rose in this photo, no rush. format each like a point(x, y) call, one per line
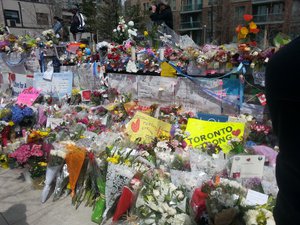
point(156, 193)
point(131, 23)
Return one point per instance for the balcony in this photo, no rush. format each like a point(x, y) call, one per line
point(194, 25)
point(265, 1)
point(269, 18)
point(191, 8)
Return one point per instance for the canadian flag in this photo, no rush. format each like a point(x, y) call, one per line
point(262, 98)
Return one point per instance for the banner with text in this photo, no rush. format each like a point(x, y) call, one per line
point(218, 133)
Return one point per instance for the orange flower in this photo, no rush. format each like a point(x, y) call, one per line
point(254, 31)
point(248, 17)
point(238, 28)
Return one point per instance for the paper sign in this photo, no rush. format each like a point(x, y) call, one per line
point(247, 166)
point(20, 82)
point(218, 133)
point(256, 198)
point(59, 86)
point(28, 96)
point(212, 117)
point(147, 128)
point(86, 95)
point(54, 122)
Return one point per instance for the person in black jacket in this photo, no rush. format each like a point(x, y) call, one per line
point(162, 13)
point(283, 99)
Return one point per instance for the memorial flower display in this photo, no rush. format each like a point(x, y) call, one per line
point(130, 153)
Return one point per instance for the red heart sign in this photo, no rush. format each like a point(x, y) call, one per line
point(236, 132)
point(135, 126)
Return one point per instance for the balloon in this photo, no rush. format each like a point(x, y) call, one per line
point(88, 51)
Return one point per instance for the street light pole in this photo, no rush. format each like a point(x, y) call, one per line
point(211, 22)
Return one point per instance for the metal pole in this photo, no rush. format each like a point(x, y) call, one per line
point(21, 15)
point(204, 34)
point(211, 22)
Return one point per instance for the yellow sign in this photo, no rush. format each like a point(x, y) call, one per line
point(147, 128)
point(167, 70)
point(218, 133)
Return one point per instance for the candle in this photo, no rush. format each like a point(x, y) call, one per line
point(133, 56)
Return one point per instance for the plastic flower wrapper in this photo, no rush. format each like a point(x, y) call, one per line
point(56, 161)
point(223, 201)
point(161, 202)
point(210, 164)
point(77, 131)
point(268, 152)
point(188, 180)
point(74, 159)
point(127, 198)
point(61, 183)
point(164, 154)
point(117, 177)
point(268, 181)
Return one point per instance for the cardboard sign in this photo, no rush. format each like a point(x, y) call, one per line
point(28, 96)
point(218, 133)
point(147, 128)
point(247, 166)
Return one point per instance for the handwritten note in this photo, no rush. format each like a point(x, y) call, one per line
point(256, 198)
point(28, 96)
point(247, 166)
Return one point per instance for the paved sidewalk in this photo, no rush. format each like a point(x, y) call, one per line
point(20, 204)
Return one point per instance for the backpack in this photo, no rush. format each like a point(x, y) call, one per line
point(81, 27)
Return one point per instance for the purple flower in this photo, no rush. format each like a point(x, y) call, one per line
point(17, 114)
point(27, 112)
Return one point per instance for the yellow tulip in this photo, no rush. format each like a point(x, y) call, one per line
point(244, 30)
point(252, 25)
point(146, 33)
point(11, 123)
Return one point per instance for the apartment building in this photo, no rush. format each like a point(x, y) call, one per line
point(32, 16)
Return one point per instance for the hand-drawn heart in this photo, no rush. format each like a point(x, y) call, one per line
point(236, 132)
point(248, 159)
point(135, 126)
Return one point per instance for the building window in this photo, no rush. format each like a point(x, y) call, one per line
point(146, 6)
point(42, 18)
point(239, 12)
point(12, 15)
point(173, 5)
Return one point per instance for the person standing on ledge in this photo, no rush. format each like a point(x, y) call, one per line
point(162, 13)
point(283, 100)
point(77, 24)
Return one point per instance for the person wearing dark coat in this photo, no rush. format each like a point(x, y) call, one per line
point(283, 100)
point(162, 13)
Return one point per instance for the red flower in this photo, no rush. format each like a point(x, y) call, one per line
point(248, 17)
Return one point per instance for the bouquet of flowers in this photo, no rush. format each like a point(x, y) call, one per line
point(56, 161)
point(161, 202)
point(259, 217)
point(223, 201)
point(247, 33)
point(123, 31)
